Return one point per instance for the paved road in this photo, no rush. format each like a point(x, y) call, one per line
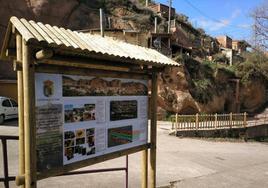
point(186, 162)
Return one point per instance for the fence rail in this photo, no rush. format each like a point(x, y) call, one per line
point(257, 120)
point(208, 121)
point(216, 121)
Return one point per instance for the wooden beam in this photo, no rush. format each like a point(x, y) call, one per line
point(88, 65)
point(84, 163)
point(20, 108)
point(153, 132)
point(55, 69)
point(91, 64)
point(44, 54)
point(29, 116)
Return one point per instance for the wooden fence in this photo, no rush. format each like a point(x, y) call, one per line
point(208, 121)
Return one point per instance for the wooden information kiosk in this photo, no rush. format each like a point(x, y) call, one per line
point(83, 99)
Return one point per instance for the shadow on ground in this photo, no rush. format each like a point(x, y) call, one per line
point(10, 122)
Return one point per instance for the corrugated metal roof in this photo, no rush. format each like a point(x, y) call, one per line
point(56, 37)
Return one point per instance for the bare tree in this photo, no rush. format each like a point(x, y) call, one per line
point(260, 27)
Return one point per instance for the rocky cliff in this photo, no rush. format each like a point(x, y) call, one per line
point(193, 87)
point(199, 87)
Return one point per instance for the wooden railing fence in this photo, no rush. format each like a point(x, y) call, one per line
point(208, 121)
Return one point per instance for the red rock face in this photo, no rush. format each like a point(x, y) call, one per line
point(65, 13)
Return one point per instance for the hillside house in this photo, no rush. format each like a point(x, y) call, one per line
point(162, 10)
point(209, 44)
point(158, 41)
point(180, 43)
point(193, 35)
point(129, 36)
point(225, 41)
point(240, 46)
point(161, 42)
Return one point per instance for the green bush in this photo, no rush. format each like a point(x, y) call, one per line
point(203, 90)
point(220, 57)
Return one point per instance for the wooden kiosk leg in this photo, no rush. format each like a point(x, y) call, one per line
point(153, 130)
point(29, 116)
point(20, 108)
point(144, 169)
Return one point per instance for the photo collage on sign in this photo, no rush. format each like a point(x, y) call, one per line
point(79, 142)
point(81, 117)
point(101, 115)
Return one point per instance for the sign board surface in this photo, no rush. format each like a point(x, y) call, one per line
point(82, 117)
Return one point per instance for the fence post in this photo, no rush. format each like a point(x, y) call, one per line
point(216, 120)
point(196, 121)
point(172, 122)
point(245, 119)
point(176, 124)
point(231, 119)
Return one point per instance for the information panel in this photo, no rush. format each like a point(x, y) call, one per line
point(81, 117)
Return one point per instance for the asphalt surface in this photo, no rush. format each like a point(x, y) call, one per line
point(182, 162)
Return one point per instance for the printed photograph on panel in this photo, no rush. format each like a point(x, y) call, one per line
point(120, 135)
point(78, 113)
point(120, 110)
point(83, 86)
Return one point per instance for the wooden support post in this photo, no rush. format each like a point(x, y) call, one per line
point(245, 119)
point(216, 120)
point(144, 170)
point(20, 108)
point(153, 130)
point(231, 119)
point(196, 121)
point(29, 116)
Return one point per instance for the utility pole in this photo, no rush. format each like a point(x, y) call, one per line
point(101, 23)
point(155, 24)
point(169, 15)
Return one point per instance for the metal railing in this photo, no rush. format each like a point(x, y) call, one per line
point(6, 179)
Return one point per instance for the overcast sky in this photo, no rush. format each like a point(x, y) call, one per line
point(219, 17)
